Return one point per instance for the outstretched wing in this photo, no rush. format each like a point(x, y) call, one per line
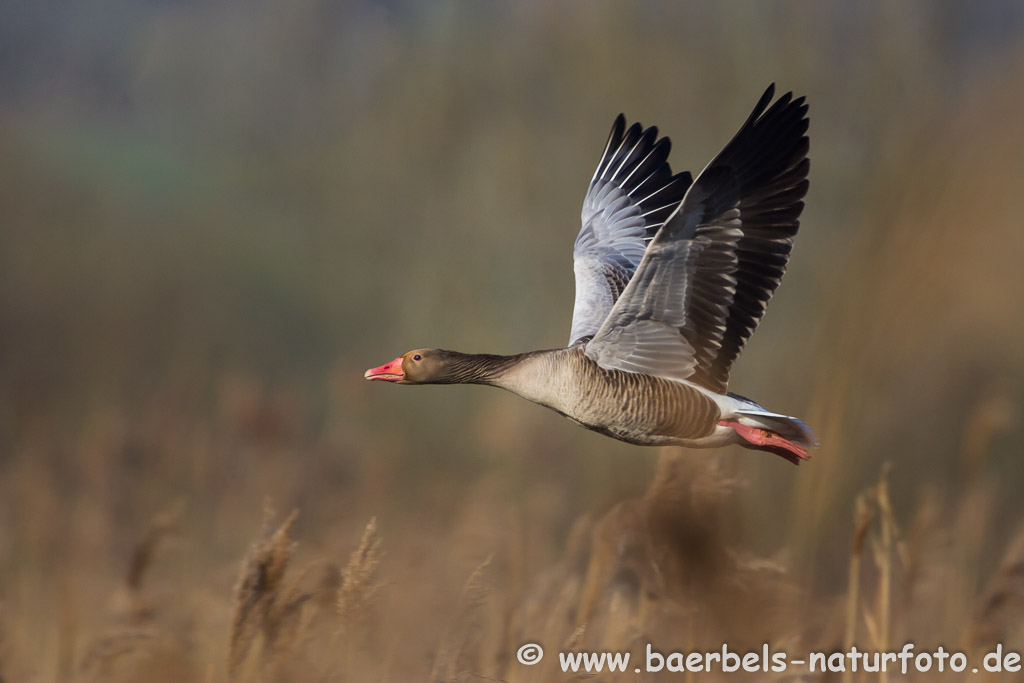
point(708, 274)
point(631, 195)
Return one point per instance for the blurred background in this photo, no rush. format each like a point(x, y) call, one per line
point(214, 216)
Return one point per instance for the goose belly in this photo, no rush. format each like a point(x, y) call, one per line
point(648, 411)
point(638, 409)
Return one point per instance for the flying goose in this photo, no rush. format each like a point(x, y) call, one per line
point(672, 277)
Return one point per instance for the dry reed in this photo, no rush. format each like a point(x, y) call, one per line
point(135, 642)
point(455, 652)
point(999, 614)
point(263, 608)
point(862, 520)
point(884, 558)
point(360, 583)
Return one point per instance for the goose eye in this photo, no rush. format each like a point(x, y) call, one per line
point(417, 357)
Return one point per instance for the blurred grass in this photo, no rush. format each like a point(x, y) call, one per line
point(215, 216)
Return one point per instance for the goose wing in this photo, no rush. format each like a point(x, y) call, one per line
point(707, 275)
point(631, 194)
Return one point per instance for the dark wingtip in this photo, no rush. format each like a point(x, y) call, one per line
point(761, 105)
point(664, 142)
point(618, 128)
point(786, 100)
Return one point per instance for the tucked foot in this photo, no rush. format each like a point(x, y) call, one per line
point(766, 440)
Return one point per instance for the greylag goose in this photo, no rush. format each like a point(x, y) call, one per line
point(672, 277)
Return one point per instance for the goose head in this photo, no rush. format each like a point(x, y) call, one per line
point(419, 366)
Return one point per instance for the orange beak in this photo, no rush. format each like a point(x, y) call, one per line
point(389, 372)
